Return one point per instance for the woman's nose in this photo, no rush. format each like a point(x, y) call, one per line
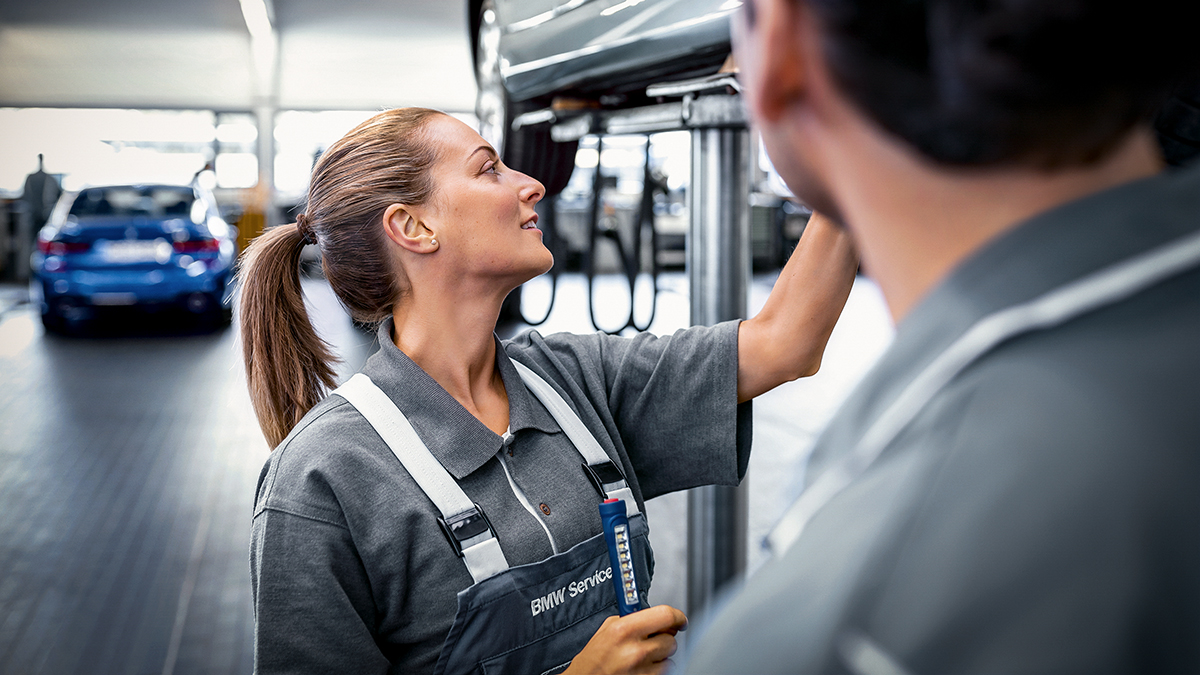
point(532, 189)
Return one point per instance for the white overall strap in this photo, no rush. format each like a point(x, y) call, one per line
point(463, 521)
point(604, 472)
point(1057, 306)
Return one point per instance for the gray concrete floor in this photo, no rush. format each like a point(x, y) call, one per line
point(128, 460)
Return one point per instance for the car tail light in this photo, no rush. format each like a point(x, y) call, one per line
point(197, 246)
point(62, 247)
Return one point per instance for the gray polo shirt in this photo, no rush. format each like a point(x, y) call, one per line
point(1042, 513)
point(351, 571)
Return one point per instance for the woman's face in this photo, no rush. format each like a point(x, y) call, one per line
point(481, 212)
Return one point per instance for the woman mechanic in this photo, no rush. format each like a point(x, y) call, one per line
point(438, 512)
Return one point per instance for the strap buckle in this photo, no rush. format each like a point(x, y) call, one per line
point(466, 529)
point(605, 477)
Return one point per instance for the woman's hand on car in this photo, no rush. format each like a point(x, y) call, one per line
point(641, 642)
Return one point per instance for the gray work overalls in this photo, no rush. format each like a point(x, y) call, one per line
point(530, 619)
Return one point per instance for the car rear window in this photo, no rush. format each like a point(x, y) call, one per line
point(148, 201)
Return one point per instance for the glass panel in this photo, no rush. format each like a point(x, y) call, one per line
point(151, 202)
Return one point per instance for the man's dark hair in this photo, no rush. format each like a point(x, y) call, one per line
point(987, 82)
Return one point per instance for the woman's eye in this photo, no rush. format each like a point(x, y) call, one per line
point(491, 167)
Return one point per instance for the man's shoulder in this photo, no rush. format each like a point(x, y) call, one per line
point(1115, 375)
point(1043, 491)
point(1104, 404)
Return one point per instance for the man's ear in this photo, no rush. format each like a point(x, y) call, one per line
point(403, 227)
point(766, 40)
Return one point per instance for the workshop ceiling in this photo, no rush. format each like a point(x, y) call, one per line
point(343, 55)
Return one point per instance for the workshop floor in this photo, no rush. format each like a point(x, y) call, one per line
point(128, 460)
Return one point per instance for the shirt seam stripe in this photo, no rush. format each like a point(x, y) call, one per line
point(306, 516)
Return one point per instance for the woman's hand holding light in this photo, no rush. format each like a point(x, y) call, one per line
point(642, 642)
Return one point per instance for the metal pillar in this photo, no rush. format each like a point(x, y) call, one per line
point(23, 246)
point(264, 67)
point(264, 114)
point(718, 263)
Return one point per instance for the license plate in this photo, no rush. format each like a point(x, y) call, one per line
point(114, 299)
point(136, 251)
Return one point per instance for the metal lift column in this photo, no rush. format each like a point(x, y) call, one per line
point(718, 264)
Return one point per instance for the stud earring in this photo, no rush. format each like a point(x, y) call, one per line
point(433, 242)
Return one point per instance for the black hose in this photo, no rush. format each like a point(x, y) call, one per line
point(550, 232)
point(631, 257)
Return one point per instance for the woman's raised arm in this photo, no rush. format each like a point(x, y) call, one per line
point(786, 340)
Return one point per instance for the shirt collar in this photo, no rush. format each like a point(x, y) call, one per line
point(1061, 245)
point(1047, 251)
point(525, 411)
point(454, 436)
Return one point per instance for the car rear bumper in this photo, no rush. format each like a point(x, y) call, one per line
point(130, 287)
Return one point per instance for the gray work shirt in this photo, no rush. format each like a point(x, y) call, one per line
point(351, 571)
point(1042, 513)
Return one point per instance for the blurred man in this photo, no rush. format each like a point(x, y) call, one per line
point(40, 193)
point(1016, 486)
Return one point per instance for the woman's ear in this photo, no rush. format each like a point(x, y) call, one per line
point(405, 228)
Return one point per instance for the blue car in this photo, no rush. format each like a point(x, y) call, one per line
point(149, 246)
